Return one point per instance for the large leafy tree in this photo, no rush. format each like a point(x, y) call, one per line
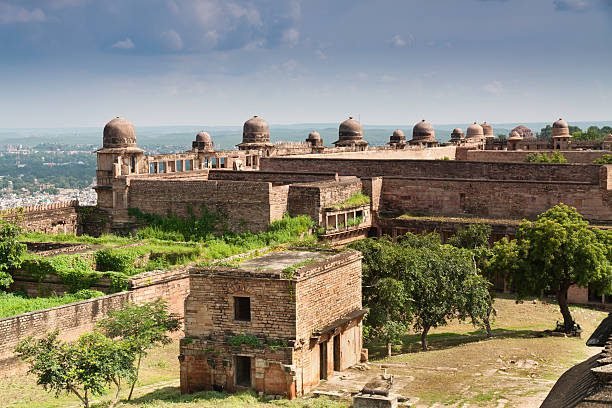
point(141, 327)
point(11, 251)
point(559, 250)
point(384, 291)
point(84, 368)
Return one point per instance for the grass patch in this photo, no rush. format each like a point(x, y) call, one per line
point(12, 304)
point(356, 200)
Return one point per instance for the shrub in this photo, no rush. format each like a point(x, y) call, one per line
point(118, 260)
point(556, 157)
point(356, 200)
point(605, 159)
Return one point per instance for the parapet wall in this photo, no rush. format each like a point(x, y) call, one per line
point(311, 198)
point(75, 319)
point(572, 156)
point(48, 218)
point(492, 198)
point(276, 177)
point(449, 169)
point(244, 204)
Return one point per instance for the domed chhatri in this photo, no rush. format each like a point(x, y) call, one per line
point(457, 134)
point(475, 131)
point(514, 135)
point(314, 139)
point(119, 133)
point(524, 132)
point(397, 138)
point(560, 129)
point(488, 130)
point(256, 130)
point(350, 129)
point(423, 133)
point(350, 133)
point(203, 142)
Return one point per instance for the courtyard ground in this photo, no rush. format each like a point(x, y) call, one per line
point(516, 368)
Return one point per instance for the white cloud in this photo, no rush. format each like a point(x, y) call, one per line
point(126, 44)
point(291, 37)
point(494, 88)
point(320, 54)
point(398, 41)
point(571, 5)
point(15, 14)
point(172, 40)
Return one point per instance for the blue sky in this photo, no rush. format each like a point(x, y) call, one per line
point(214, 62)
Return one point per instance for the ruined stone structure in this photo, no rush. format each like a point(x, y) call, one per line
point(277, 324)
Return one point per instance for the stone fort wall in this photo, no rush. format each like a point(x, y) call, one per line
point(572, 156)
point(75, 319)
point(492, 198)
point(366, 167)
point(245, 204)
point(49, 218)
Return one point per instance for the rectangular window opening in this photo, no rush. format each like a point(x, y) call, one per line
point(242, 308)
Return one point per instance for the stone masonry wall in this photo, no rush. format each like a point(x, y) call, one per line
point(51, 218)
point(276, 177)
point(209, 308)
point(311, 198)
point(72, 320)
point(572, 156)
point(493, 199)
point(438, 169)
point(325, 297)
point(77, 318)
point(245, 204)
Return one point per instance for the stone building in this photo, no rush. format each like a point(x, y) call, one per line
point(350, 134)
point(397, 139)
point(423, 135)
point(277, 324)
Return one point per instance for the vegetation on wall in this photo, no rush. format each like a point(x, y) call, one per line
point(356, 200)
point(12, 304)
point(556, 157)
point(605, 159)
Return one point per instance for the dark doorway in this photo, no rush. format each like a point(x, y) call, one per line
point(243, 371)
point(337, 352)
point(323, 360)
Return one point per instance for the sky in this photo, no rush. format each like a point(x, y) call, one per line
point(218, 62)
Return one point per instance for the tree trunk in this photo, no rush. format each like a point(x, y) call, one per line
point(136, 378)
point(389, 349)
point(568, 322)
point(487, 321)
point(424, 338)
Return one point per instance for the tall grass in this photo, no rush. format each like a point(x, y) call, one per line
point(13, 304)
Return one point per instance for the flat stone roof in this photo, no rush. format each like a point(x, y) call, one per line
point(387, 154)
point(278, 261)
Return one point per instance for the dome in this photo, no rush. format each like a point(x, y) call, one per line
point(514, 135)
point(423, 132)
point(119, 133)
point(457, 134)
point(203, 137)
point(475, 131)
point(350, 129)
point(203, 142)
point(397, 137)
point(488, 130)
point(314, 135)
point(256, 130)
point(560, 129)
point(524, 132)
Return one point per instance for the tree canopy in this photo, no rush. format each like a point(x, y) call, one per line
point(421, 283)
point(554, 252)
point(11, 252)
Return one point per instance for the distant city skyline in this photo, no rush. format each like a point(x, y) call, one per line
point(71, 63)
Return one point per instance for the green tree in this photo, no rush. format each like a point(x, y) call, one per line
point(142, 327)
point(11, 252)
point(384, 291)
point(605, 159)
point(446, 285)
point(556, 251)
point(475, 237)
point(84, 368)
